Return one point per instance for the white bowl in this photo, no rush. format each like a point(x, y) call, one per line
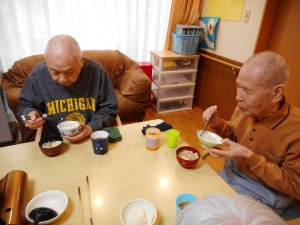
point(53, 199)
point(138, 210)
point(69, 128)
point(209, 139)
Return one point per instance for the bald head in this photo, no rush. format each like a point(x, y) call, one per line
point(271, 68)
point(63, 46)
point(260, 84)
point(64, 59)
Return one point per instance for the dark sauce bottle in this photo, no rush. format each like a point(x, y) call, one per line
point(42, 214)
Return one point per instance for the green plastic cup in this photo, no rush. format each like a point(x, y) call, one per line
point(172, 138)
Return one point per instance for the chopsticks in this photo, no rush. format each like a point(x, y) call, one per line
point(44, 117)
point(89, 202)
point(80, 203)
point(207, 122)
point(90, 205)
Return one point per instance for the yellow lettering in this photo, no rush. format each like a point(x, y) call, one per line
point(88, 104)
point(70, 105)
point(51, 108)
point(81, 104)
point(57, 106)
point(76, 103)
point(62, 105)
point(93, 104)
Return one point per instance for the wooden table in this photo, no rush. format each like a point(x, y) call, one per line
point(128, 171)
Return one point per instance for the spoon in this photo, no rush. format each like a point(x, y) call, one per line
point(42, 214)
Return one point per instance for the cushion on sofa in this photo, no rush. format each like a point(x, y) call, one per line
point(111, 60)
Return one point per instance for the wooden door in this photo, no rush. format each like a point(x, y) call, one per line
point(284, 39)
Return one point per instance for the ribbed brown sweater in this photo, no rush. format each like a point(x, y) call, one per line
point(275, 142)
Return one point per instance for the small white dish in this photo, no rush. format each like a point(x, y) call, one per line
point(138, 211)
point(53, 199)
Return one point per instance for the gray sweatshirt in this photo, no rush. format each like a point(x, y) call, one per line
point(91, 99)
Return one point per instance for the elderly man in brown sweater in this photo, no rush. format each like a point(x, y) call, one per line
point(263, 135)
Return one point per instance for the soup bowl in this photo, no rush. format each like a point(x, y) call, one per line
point(51, 145)
point(53, 200)
point(187, 156)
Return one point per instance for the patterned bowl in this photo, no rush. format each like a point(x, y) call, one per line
point(69, 128)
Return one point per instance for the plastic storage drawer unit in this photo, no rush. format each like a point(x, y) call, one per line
point(173, 81)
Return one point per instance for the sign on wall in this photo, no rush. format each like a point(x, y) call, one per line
point(225, 9)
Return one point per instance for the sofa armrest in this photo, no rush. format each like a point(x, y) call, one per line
point(135, 88)
point(135, 84)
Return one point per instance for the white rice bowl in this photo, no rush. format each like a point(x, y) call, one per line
point(138, 212)
point(69, 128)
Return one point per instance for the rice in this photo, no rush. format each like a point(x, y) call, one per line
point(188, 155)
point(70, 126)
point(140, 217)
point(208, 137)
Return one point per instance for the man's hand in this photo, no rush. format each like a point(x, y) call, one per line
point(214, 112)
point(35, 120)
point(234, 150)
point(85, 132)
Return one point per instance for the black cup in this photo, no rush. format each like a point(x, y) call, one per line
point(100, 142)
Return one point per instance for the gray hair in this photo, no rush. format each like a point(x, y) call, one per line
point(219, 209)
point(273, 66)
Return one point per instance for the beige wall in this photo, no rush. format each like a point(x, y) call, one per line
point(237, 40)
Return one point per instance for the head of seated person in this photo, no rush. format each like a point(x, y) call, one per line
point(219, 209)
point(64, 59)
point(260, 84)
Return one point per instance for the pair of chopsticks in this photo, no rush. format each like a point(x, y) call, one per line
point(44, 117)
point(89, 199)
point(207, 122)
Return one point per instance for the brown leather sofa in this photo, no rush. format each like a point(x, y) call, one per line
point(132, 85)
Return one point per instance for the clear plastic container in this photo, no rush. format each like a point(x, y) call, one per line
point(171, 61)
point(171, 105)
point(174, 77)
point(182, 90)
